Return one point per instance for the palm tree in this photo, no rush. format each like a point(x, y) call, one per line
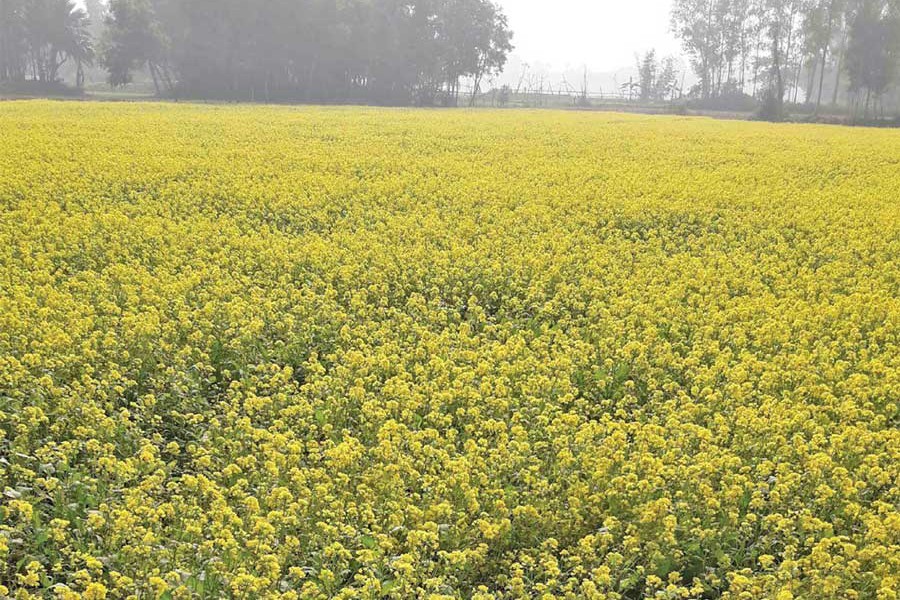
point(56, 30)
point(79, 44)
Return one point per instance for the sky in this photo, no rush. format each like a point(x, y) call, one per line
point(603, 35)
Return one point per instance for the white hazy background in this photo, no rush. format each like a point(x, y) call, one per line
point(602, 34)
point(559, 39)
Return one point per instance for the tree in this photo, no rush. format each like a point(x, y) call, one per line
point(657, 79)
point(693, 22)
point(873, 49)
point(717, 36)
point(133, 40)
point(13, 44)
point(774, 42)
point(647, 68)
point(667, 80)
point(493, 42)
point(80, 47)
point(383, 51)
point(821, 18)
point(96, 13)
point(776, 23)
point(54, 32)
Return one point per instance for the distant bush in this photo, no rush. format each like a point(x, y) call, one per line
point(735, 101)
point(38, 89)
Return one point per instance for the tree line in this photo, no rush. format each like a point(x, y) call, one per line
point(422, 51)
point(37, 37)
point(791, 50)
point(379, 51)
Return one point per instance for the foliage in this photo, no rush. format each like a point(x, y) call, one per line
point(383, 51)
point(657, 79)
point(38, 36)
point(874, 51)
point(132, 40)
point(354, 353)
point(776, 48)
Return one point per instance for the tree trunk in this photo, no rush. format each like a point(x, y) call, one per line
point(790, 40)
point(797, 81)
point(837, 71)
point(810, 82)
point(756, 65)
point(776, 96)
point(821, 79)
point(825, 54)
point(475, 86)
point(152, 69)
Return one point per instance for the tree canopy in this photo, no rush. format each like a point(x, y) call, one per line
point(383, 51)
point(777, 48)
point(38, 36)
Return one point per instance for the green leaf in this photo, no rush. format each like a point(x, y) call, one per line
point(387, 586)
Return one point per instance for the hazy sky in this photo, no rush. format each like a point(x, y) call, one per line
point(602, 34)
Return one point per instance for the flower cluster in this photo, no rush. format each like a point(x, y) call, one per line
point(313, 353)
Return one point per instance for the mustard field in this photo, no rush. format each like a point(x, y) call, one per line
point(278, 352)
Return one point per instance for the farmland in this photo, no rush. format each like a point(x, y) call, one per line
point(277, 352)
